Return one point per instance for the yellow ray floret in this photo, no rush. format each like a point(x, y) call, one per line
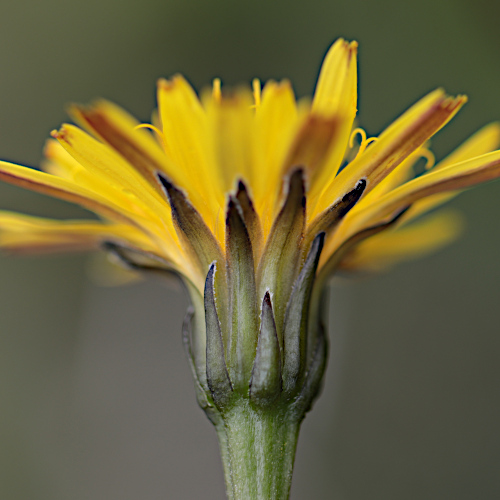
point(416, 240)
point(25, 234)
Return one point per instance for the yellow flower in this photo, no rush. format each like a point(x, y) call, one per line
point(203, 147)
point(254, 199)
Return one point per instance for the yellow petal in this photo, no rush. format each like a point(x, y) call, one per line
point(276, 122)
point(103, 181)
point(393, 246)
point(485, 140)
point(394, 145)
point(64, 189)
point(58, 161)
point(335, 92)
point(120, 131)
point(100, 160)
point(26, 234)
point(335, 99)
point(186, 141)
point(230, 131)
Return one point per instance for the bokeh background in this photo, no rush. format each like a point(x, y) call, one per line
point(96, 399)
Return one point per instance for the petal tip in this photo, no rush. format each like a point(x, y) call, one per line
point(164, 84)
point(172, 82)
point(62, 135)
point(353, 49)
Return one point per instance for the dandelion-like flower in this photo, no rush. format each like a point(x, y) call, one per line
point(254, 199)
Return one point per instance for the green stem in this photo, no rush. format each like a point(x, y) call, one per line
point(258, 451)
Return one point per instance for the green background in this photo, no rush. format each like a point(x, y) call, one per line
point(95, 395)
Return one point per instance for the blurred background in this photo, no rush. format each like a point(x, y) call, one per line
point(95, 394)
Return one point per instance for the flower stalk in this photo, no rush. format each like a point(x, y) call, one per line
point(259, 451)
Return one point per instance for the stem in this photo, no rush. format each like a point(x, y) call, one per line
point(258, 451)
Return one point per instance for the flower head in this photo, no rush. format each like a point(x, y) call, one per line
point(251, 196)
point(164, 192)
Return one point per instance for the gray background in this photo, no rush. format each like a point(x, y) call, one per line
point(96, 399)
